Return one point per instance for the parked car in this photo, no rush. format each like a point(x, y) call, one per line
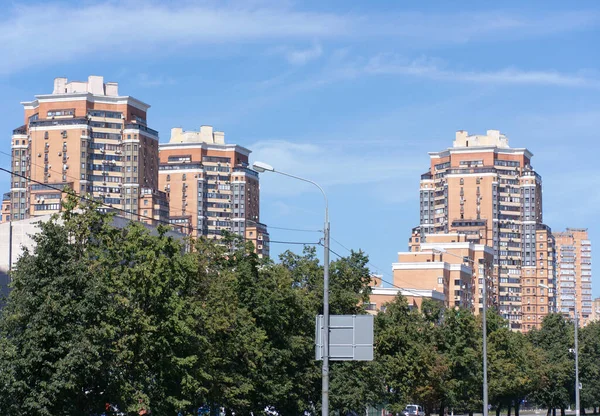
point(413, 410)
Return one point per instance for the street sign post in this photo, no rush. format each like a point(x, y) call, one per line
point(350, 337)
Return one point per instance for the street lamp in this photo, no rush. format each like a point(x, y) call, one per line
point(576, 325)
point(263, 167)
point(484, 324)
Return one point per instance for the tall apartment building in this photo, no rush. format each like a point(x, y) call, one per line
point(574, 278)
point(487, 190)
point(86, 136)
point(210, 186)
point(596, 309)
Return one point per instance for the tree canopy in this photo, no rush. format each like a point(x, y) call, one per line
point(102, 318)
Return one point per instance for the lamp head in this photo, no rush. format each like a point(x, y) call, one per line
point(439, 250)
point(262, 167)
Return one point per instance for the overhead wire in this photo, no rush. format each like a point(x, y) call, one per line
point(185, 211)
point(100, 203)
point(413, 291)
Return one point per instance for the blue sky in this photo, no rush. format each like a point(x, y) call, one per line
point(350, 94)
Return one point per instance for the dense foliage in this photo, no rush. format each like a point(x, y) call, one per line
point(103, 318)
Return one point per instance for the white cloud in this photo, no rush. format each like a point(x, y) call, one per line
point(432, 69)
point(436, 69)
point(331, 166)
point(149, 81)
point(302, 56)
point(49, 33)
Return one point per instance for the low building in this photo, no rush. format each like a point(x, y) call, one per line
point(450, 264)
point(15, 236)
point(381, 296)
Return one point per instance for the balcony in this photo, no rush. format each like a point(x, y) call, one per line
point(141, 127)
point(62, 122)
point(20, 130)
point(246, 170)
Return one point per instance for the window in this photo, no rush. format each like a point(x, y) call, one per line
point(462, 181)
point(168, 178)
point(183, 177)
point(440, 280)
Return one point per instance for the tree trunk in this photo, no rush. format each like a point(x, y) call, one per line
point(582, 410)
point(498, 410)
point(517, 406)
point(562, 411)
point(549, 411)
point(509, 408)
point(595, 408)
point(442, 409)
point(554, 411)
point(470, 413)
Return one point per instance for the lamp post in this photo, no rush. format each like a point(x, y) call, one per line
point(576, 327)
point(263, 167)
point(484, 324)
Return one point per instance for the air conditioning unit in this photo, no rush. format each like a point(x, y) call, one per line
point(39, 155)
point(59, 153)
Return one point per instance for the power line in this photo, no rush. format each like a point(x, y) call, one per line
point(185, 211)
point(413, 291)
point(294, 242)
point(84, 198)
point(343, 246)
point(295, 229)
point(350, 251)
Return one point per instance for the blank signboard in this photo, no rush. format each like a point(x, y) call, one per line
point(350, 337)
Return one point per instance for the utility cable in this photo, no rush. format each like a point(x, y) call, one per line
point(413, 291)
point(100, 203)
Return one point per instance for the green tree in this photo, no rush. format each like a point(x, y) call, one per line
point(460, 341)
point(399, 351)
point(557, 370)
point(589, 365)
point(98, 315)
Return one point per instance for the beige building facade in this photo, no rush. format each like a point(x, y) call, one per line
point(381, 296)
point(450, 264)
point(574, 278)
point(488, 191)
point(210, 187)
point(87, 137)
point(596, 309)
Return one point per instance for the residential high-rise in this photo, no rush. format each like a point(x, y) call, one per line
point(86, 136)
point(596, 309)
point(574, 279)
point(210, 186)
point(487, 190)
